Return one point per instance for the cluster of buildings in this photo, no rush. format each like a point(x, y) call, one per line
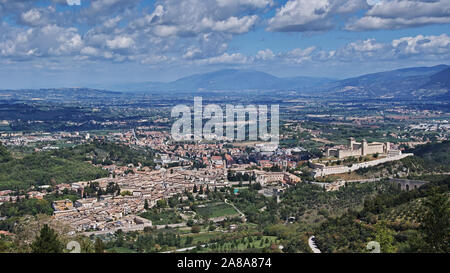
point(105, 213)
point(24, 139)
point(113, 212)
point(434, 126)
point(11, 197)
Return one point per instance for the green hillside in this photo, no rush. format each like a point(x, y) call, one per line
point(43, 169)
point(415, 221)
point(435, 154)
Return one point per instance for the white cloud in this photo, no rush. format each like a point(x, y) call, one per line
point(91, 51)
point(33, 17)
point(265, 55)
point(50, 40)
point(231, 25)
point(299, 55)
point(234, 58)
point(252, 3)
point(165, 31)
point(426, 45)
point(398, 14)
point(192, 53)
point(100, 9)
point(186, 18)
point(120, 42)
point(305, 15)
point(365, 46)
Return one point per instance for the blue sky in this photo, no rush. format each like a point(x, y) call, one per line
point(54, 43)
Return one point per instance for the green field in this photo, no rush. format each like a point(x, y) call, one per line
point(204, 237)
point(165, 217)
point(219, 209)
point(120, 250)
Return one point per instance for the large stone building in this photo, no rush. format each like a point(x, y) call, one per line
point(265, 178)
point(322, 170)
point(359, 149)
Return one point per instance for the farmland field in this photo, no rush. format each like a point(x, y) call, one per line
point(219, 209)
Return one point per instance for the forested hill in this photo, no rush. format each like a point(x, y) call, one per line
point(67, 165)
point(435, 156)
point(437, 152)
point(43, 169)
point(107, 153)
point(4, 154)
point(414, 221)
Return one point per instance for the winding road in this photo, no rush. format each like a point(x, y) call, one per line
point(231, 204)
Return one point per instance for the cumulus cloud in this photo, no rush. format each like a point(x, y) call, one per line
point(299, 55)
point(32, 17)
point(265, 55)
point(251, 3)
point(90, 51)
point(120, 42)
point(188, 18)
point(398, 14)
point(231, 25)
point(99, 10)
point(422, 45)
point(234, 58)
point(50, 40)
point(305, 15)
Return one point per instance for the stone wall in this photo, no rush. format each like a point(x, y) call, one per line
point(324, 171)
point(348, 153)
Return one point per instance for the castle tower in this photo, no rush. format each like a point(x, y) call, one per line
point(364, 147)
point(388, 147)
point(351, 141)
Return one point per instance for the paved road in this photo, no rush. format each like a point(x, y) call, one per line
point(184, 249)
point(231, 204)
point(132, 228)
point(313, 245)
point(171, 226)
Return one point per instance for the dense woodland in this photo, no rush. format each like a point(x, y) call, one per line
point(107, 153)
point(66, 165)
point(43, 168)
point(429, 230)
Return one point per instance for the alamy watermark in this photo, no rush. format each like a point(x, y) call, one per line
point(374, 247)
point(236, 123)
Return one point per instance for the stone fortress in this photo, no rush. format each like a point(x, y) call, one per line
point(358, 149)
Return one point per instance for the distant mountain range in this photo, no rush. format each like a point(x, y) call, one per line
point(439, 81)
point(416, 82)
point(409, 83)
point(225, 80)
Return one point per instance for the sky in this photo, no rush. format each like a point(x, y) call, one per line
point(83, 43)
